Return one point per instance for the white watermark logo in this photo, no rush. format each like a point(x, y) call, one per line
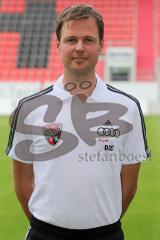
point(119, 156)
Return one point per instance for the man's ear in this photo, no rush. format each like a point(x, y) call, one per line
point(101, 44)
point(57, 43)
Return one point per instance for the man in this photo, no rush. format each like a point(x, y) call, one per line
point(77, 146)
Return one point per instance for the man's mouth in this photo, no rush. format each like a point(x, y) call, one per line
point(79, 59)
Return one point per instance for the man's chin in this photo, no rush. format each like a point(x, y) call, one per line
point(79, 69)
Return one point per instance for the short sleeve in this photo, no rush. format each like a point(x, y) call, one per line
point(135, 145)
point(18, 141)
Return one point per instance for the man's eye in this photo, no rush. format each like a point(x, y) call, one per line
point(71, 40)
point(88, 40)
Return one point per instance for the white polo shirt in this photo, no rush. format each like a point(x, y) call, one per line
point(77, 150)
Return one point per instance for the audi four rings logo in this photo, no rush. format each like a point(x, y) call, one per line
point(108, 132)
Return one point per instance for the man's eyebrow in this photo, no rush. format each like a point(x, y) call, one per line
point(88, 36)
point(73, 36)
point(70, 37)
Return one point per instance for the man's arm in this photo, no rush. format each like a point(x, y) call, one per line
point(129, 179)
point(23, 177)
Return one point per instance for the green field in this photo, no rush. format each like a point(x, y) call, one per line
point(141, 221)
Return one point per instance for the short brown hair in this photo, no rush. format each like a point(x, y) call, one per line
point(77, 12)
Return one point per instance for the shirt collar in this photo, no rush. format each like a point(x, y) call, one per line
point(59, 90)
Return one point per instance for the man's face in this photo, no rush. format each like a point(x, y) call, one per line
point(79, 46)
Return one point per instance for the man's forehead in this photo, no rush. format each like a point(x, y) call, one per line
point(80, 25)
point(83, 21)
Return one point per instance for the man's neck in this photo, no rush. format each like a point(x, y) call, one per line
point(81, 85)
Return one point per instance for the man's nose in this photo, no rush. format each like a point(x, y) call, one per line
point(80, 46)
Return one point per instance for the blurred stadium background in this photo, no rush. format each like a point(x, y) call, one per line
point(130, 61)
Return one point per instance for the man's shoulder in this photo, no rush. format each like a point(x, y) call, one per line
point(36, 95)
point(30, 102)
point(124, 96)
point(40, 94)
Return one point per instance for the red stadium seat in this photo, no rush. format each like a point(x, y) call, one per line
point(12, 6)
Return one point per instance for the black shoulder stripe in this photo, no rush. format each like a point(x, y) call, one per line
point(16, 113)
point(140, 112)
